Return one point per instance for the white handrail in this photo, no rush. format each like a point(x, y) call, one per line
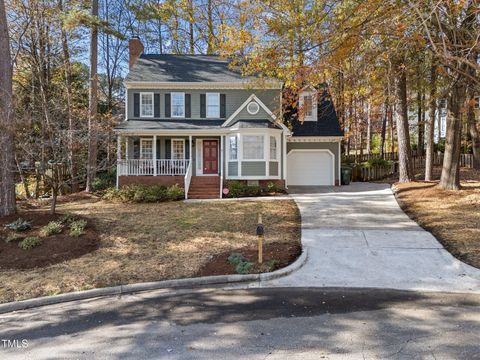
point(188, 178)
point(140, 167)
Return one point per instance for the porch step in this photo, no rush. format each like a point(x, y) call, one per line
point(204, 187)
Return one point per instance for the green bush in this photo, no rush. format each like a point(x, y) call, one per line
point(240, 189)
point(52, 228)
point(104, 180)
point(13, 237)
point(77, 227)
point(145, 193)
point(376, 162)
point(19, 225)
point(236, 258)
point(30, 242)
point(68, 218)
point(244, 267)
point(269, 266)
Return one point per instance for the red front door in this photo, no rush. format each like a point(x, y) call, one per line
point(210, 156)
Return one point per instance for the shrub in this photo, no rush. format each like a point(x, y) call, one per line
point(30, 242)
point(145, 193)
point(240, 189)
point(236, 258)
point(269, 266)
point(376, 162)
point(19, 225)
point(104, 180)
point(244, 267)
point(13, 237)
point(77, 228)
point(68, 218)
point(53, 227)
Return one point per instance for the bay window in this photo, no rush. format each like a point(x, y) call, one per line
point(273, 148)
point(213, 105)
point(178, 104)
point(146, 104)
point(232, 148)
point(253, 147)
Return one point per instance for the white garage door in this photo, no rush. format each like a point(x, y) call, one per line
point(310, 167)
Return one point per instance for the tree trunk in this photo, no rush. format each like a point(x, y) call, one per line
point(7, 162)
point(431, 122)
point(369, 131)
point(384, 129)
point(92, 114)
point(471, 121)
point(450, 179)
point(420, 122)
point(190, 27)
point(209, 27)
point(403, 133)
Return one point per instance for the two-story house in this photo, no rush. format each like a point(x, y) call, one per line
point(193, 121)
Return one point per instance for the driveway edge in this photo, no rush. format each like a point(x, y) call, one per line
point(165, 284)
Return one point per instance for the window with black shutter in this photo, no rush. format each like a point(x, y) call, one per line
point(167, 106)
point(136, 104)
point(203, 106)
point(156, 105)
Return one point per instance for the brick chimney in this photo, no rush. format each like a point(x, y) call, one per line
point(135, 48)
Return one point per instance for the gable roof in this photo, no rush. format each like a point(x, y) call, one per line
point(185, 69)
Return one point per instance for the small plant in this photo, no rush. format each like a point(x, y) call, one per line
point(236, 258)
point(13, 237)
point(77, 228)
point(19, 225)
point(68, 218)
point(30, 242)
point(243, 267)
point(52, 228)
point(269, 266)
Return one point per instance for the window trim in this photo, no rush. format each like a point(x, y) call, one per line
point(141, 104)
point(171, 105)
point(301, 102)
point(206, 105)
point(264, 147)
point(236, 137)
point(270, 148)
point(171, 148)
point(253, 112)
point(142, 140)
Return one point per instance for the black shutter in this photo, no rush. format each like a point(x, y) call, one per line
point(168, 148)
point(136, 105)
point(167, 105)
point(188, 107)
point(203, 106)
point(156, 105)
point(223, 111)
point(187, 149)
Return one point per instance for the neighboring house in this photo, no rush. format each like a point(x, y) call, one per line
point(192, 121)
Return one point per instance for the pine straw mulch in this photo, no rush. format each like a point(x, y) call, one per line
point(453, 217)
point(151, 242)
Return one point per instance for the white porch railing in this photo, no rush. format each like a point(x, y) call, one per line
point(188, 178)
point(139, 167)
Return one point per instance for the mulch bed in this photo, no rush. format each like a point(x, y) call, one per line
point(54, 249)
point(283, 253)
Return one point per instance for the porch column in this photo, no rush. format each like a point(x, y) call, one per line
point(221, 163)
point(154, 155)
point(190, 150)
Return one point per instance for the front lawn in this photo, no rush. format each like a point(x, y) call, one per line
point(453, 217)
point(151, 242)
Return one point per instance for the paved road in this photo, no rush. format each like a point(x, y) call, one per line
point(277, 323)
point(357, 236)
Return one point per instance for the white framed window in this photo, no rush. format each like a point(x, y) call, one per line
point(146, 149)
point(146, 104)
point(253, 108)
point(213, 105)
point(253, 147)
point(178, 149)
point(232, 148)
point(307, 105)
point(273, 148)
point(177, 104)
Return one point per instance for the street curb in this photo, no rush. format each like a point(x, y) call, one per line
point(157, 285)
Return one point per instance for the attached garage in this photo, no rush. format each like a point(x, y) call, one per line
point(310, 167)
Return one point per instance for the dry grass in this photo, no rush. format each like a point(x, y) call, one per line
point(151, 242)
point(453, 217)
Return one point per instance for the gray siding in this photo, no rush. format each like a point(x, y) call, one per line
point(232, 168)
point(244, 115)
point(273, 168)
point(234, 99)
point(253, 168)
point(332, 146)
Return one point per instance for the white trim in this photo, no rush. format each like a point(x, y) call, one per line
point(284, 158)
point(142, 115)
point(339, 164)
point(154, 150)
point(171, 147)
point(319, 150)
point(199, 152)
point(222, 164)
point(171, 105)
point(206, 105)
point(199, 156)
point(141, 147)
point(126, 105)
point(259, 84)
point(254, 177)
point(253, 112)
point(252, 97)
point(314, 138)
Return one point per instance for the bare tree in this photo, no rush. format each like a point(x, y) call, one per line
point(7, 161)
point(431, 121)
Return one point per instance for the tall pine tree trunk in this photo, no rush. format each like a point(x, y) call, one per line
point(7, 161)
point(450, 179)
point(471, 121)
point(92, 111)
point(209, 27)
point(403, 132)
point(431, 122)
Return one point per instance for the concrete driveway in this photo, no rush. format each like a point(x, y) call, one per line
point(357, 236)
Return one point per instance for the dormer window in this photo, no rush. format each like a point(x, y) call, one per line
point(308, 104)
